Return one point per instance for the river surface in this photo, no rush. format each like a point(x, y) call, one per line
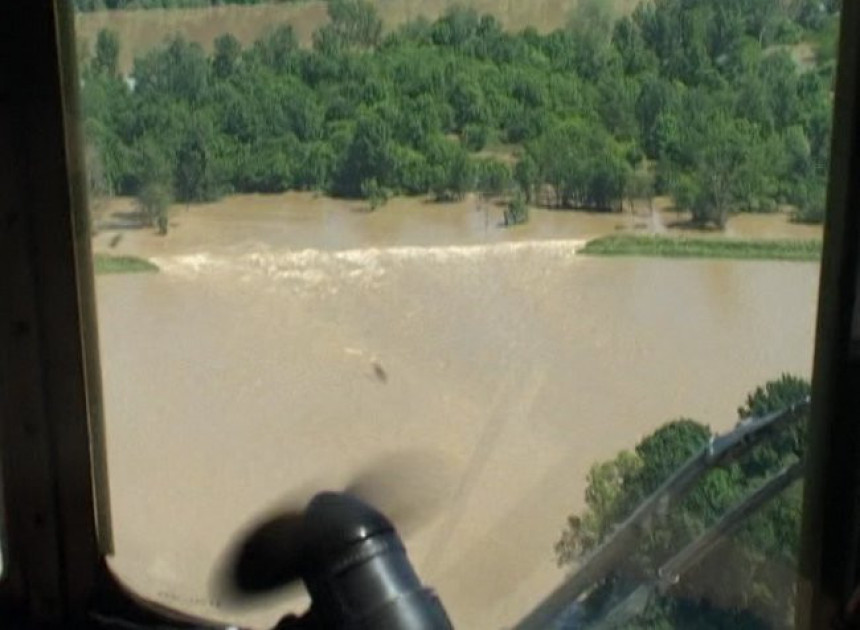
point(291, 343)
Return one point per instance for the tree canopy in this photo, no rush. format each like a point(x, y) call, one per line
point(750, 582)
point(703, 98)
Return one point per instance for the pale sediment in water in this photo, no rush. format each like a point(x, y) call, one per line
point(245, 372)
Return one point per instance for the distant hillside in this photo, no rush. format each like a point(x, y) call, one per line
point(141, 30)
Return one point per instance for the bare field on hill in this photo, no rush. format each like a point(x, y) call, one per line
point(140, 30)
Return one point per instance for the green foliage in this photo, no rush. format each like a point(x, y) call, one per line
point(104, 264)
point(494, 178)
point(582, 164)
point(684, 247)
point(194, 177)
point(375, 194)
point(227, 57)
point(451, 174)
point(475, 137)
point(750, 582)
point(517, 211)
point(154, 203)
point(725, 122)
point(107, 53)
point(811, 204)
point(640, 185)
point(712, 189)
point(370, 155)
point(178, 71)
point(354, 25)
point(527, 176)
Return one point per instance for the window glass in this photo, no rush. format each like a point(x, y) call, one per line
point(513, 263)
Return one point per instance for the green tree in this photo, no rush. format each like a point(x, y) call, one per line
point(493, 177)
point(456, 27)
point(354, 24)
point(720, 158)
point(590, 25)
point(527, 175)
point(226, 59)
point(640, 186)
point(106, 60)
point(268, 166)
point(193, 178)
point(179, 69)
point(583, 165)
point(369, 157)
point(475, 137)
point(468, 101)
point(154, 203)
point(451, 174)
point(314, 170)
point(755, 568)
point(655, 102)
point(517, 210)
point(376, 195)
point(725, 125)
point(278, 50)
point(811, 203)
point(636, 57)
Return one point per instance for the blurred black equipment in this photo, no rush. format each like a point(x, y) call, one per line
point(352, 563)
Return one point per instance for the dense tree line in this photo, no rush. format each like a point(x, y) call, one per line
point(694, 98)
point(750, 581)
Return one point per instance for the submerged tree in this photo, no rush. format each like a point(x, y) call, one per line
point(517, 211)
point(154, 202)
point(376, 195)
point(354, 24)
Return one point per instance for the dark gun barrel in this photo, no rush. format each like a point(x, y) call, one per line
point(357, 572)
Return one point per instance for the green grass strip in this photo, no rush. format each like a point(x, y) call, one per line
point(104, 263)
point(716, 247)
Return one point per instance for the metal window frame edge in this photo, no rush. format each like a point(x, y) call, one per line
point(52, 439)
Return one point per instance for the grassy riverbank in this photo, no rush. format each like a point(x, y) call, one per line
point(104, 263)
point(691, 247)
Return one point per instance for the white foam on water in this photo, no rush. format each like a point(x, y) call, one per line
point(316, 267)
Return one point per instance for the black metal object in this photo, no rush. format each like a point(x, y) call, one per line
point(352, 562)
point(48, 381)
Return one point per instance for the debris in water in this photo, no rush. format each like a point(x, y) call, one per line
point(380, 373)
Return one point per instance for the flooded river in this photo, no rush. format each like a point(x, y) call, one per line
point(289, 343)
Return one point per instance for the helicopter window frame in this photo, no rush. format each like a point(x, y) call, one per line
point(55, 517)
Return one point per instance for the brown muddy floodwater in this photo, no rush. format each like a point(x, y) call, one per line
point(245, 374)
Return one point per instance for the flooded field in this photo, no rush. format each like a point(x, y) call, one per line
point(244, 375)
